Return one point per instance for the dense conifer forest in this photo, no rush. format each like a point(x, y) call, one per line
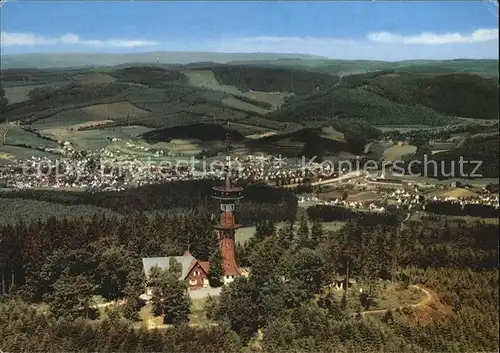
point(260, 202)
point(63, 262)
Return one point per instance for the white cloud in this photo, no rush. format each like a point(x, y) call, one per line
point(482, 43)
point(30, 39)
point(430, 38)
point(25, 39)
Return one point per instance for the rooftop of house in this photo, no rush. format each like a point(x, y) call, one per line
point(185, 261)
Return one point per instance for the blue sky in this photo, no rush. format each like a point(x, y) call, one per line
point(390, 30)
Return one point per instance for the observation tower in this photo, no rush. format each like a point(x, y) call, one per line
point(227, 196)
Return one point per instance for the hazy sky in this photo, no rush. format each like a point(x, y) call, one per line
point(390, 30)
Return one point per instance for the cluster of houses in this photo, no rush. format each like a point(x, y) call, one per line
point(106, 170)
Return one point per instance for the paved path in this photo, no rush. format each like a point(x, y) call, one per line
point(428, 298)
point(203, 293)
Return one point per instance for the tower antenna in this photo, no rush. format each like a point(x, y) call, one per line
point(227, 166)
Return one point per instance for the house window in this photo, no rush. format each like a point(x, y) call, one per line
point(193, 282)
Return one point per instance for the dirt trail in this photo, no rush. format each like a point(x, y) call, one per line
point(428, 298)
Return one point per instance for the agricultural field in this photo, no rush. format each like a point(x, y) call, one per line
point(141, 149)
point(94, 114)
point(452, 192)
point(114, 111)
point(65, 120)
point(17, 94)
point(10, 153)
point(93, 79)
point(16, 135)
point(261, 135)
point(206, 79)
point(395, 153)
point(248, 130)
point(234, 102)
point(87, 139)
point(364, 196)
point(124, 132)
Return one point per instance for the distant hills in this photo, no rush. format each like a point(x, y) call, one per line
point(305, 62)
point(78, 60)
point(277, 108)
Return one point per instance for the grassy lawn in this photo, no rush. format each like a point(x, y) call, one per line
point(244, 234)
point(197, 317)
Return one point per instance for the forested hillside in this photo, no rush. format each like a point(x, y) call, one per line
point(356, 103)
point(381, 98)
point(274, 79)
point(454, 94)
point(388, 98)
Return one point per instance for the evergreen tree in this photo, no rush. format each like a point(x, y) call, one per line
point(307, 268)
point(317, 234)
point(71, 296)
point(304, 240)
point(343, 302)
point(216, 271)
point(170, 297)
point(132, 291)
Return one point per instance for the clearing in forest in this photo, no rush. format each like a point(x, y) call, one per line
point(276, 99)
point(206, 79)
point(94, 79)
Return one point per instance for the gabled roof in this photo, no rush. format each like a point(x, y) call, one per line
point(205, 266)
point(164, 263)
